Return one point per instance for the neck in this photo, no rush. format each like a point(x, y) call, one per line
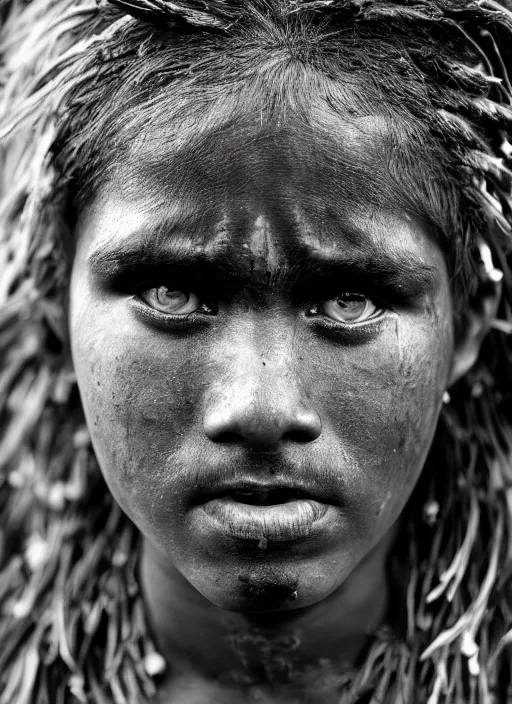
point(201, 640)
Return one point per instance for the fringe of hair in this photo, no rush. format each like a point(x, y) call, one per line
point(72, 622)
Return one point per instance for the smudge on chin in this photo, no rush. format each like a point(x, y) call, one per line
point(267, 592)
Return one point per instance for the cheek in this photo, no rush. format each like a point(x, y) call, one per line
point(138, 396)
point(381, 406)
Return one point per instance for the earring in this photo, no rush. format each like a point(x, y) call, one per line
point(492, 273)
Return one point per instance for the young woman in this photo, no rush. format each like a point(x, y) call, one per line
point(255, 372)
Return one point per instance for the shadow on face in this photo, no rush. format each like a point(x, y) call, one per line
point(262, 335)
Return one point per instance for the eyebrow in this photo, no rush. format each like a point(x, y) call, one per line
point(394, 271)
point(140, 255)
point(142, 252)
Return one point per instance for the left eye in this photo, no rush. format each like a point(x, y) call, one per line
point(173, 302)
point(348, 308)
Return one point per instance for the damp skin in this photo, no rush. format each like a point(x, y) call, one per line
point(259, 381)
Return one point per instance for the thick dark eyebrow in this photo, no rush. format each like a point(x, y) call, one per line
point(124, 264)
point(374, 268)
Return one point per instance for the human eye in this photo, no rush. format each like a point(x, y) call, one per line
point(171, 301)
point(347, 309)
point(172, 307)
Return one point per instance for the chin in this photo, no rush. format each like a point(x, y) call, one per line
point(262, 588)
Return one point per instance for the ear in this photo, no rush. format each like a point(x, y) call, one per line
point(474, 325)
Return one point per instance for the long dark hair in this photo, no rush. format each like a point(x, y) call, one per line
point(72, 75)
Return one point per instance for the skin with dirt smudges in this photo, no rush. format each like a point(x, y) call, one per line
point(235, 314)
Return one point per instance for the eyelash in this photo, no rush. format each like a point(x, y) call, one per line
point(354, 332)
point(382, 309)
point(164, 321)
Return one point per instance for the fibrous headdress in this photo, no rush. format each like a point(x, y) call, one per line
point(72, 622)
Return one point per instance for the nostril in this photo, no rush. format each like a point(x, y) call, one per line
point(228, 438)
point(257, 442)
point(302, 435)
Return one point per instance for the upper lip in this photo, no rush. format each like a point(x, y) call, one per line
point(249, 485)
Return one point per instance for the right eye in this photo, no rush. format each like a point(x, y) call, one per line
point(172, 301)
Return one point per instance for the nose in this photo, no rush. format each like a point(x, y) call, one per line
point(260, 405)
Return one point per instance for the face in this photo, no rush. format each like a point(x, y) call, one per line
point(262, 342)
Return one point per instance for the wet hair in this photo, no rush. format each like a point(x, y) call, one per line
point(77, 81)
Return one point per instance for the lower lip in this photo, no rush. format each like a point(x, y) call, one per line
point(281, 523)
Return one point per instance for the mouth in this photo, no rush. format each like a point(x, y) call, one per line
point(263, 514)
point(266, 497)
point(256, 493)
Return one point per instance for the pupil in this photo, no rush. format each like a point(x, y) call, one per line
point(352, 307)
point(351, 300)
point(171, 297)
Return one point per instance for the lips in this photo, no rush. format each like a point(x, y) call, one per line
point(279, 523)
point(257, 493)
point(263, 513)
point(266, 497)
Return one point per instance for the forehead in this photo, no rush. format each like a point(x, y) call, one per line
point(193, 144)
point(309, 174)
